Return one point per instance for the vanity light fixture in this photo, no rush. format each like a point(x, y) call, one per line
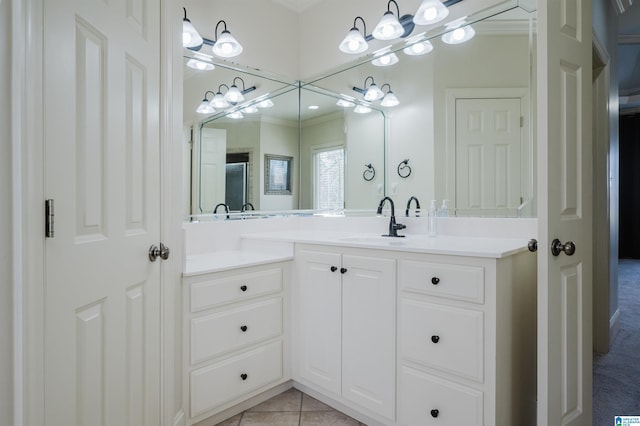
point(355, 42)
point(236, 115)
point(371, 92)
point(416, 47)
point(345, 103)
point(252, 109)
point(205, 106)
point(459, 35)
point(389, 99)
point(200, 62)
point(267, 103)
point(234, 95)
point(430, 12)
point(389, 27)
point(190, 36)
point(225, 46)
point(219, 100)
point(385, 58)
point(362, 109)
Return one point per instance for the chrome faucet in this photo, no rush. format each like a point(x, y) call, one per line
point(393, 226)
point(246, 206)
point(406, 213)
point(226, 209)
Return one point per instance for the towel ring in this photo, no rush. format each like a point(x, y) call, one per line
point(369, 173)
point(404, 170)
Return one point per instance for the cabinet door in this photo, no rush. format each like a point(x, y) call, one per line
point(318, 319)
point(368, 327)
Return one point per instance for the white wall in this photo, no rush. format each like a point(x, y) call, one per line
point(6, 228)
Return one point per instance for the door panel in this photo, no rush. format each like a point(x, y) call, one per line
point(102, 294)
point(565, 185)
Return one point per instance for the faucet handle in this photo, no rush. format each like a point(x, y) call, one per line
point(399, 226)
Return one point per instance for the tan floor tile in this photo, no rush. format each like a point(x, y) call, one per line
point(233, 421)
point(309, 403)
point(267, 419)
point(326, 418)
point(289, 400)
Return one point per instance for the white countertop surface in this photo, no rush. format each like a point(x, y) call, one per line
point(418, 243)
point(223, 260)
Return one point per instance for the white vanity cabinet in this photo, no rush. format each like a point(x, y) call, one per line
point(344, 326)
point(466, 340)
point(235, 336)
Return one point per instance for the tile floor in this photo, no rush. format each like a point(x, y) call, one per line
point(291, 408)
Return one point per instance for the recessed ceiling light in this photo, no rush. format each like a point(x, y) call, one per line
point(313, 107)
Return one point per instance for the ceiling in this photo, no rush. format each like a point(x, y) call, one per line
point(297, 5)
point(629, 57)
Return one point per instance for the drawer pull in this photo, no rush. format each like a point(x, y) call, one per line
point(435, 280)
point(244, 376)
point(243, 328)
point(435, 339)
point(243, 287)
point(434, 413)
point(343, 270)
point(334, 268)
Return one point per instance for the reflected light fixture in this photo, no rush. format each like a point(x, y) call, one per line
point(225, 46)
point(370, 93)
point(459, 35)
point(252, 109)
point(355, 42)
point(383, 59)
point(389, 99)
point(205, 106)
point(430, 12)
point(389, 27)
point(219, 101)
point(236, 115)
point(267, 103)
point(415, 48)
point(362, 109)
point(200, 62)
point(190, 36)
point(235, 95)
point(345, 103)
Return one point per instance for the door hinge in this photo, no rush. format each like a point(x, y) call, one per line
point(49, 218)
point(521, 121)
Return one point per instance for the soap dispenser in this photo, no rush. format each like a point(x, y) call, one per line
point(444, 209)
point(432, 219)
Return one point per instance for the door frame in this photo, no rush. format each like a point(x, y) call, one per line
point(28, 195)
point(527, 149)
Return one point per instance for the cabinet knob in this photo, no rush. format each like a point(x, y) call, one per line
point(244, 376)
point(435, 339)
point(243, 287)
point(343, 270)
point(334, 268)
point(243, 328)
point(435, 280)
point(434, 413)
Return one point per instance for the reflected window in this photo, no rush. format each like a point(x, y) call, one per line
point(328, 178)
point(278, 174)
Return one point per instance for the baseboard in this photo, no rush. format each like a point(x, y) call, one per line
point(614, 326)
point(180, 419)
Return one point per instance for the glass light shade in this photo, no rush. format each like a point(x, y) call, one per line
point(361, 109)
point(354, 43)
point(226, 46)
point(385, 60)
point(373, 93)
point(236, 115)
point(345, 103)
point(190, 36)
point(267, 103)
point(250, 109)
point(421, 48)
point(389, 28)
point(234, 95)
point(219, 101)
point(459, 35)
point(389, 100)
point(197, 64)
point(205, 107)
point(430, 12)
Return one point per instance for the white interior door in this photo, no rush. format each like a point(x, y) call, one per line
point(213, 161)
point(102, 293)
point(565, 212)
point(488, 156)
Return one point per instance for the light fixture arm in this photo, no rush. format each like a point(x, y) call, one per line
point(215, 32)
point(397, 7)
point(206, 93)
point(220, 87)
point(365, 87)
point(386, 84)
point(364, 27)
point(185, 14)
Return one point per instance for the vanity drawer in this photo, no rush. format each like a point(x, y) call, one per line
point(450, 281)
point(427, 400)
point(211, 293)
point(231, 329)
point(232, 378)
point(442, 337)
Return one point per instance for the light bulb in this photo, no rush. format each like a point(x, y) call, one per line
point(458, 34)
point(186, 38)
point(361, 109)
point(353, 45)
point(430, 14)
point(421, 48)
point(226, 48)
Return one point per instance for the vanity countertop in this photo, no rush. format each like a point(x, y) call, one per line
point(417, 243)
point(224, 260)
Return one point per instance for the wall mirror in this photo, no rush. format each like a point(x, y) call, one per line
point(465, 122)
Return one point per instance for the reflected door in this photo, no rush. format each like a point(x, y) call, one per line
point(101, 292)
point(488, 156)
point(213, 152)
